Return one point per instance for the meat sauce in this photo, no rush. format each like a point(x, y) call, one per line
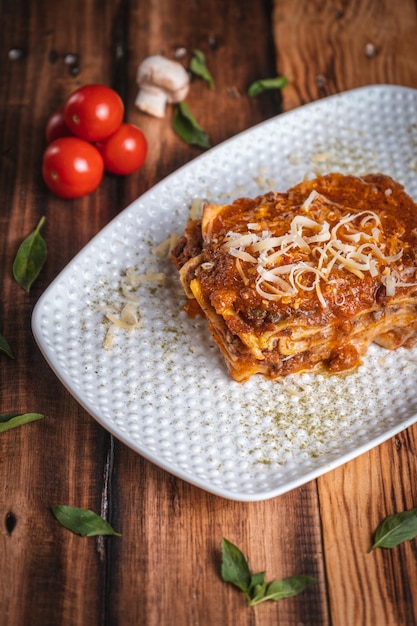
point(237, 310)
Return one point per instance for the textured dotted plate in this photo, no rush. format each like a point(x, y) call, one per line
point(163, 389)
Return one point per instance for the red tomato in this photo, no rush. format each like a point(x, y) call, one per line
point(56, 127)
point(93, 112)
point(72, 167)
point(125, 151)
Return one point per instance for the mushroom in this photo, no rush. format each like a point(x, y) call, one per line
point(160, 81)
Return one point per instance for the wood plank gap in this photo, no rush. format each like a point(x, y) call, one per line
point(103, 544)
point(120, 39)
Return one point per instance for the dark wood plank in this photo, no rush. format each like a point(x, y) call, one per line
point(178, 527)
point(61, 458)
point(173, 543)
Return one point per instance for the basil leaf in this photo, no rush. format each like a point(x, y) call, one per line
point(285, 588)
point(395, 529)
point(5, 347)
point(199, 68)
point(30, 258)
point(257, 580)
point(82, 521)
point(186, 126)
point(12, 420)
point(267, 83)
point(257, 589)
point(235, 568)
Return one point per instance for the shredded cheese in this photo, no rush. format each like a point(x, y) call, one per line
point(128, 320)
point(133, 279)
point(196, 208)
point(128, 317)
point(354, 244)
point(164, 249)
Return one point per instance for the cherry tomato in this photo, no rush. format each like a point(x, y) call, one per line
point(93, 112)
point(125, 151)
point(72, 167)
point(56, 127)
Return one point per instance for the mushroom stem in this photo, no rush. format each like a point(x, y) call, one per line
point(160, 81)
point(151, 100)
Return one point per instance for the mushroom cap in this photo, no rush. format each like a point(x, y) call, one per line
point(170, 76)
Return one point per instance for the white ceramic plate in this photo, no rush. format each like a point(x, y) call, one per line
point(164, 389)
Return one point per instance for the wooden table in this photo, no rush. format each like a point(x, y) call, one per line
point(164, 569)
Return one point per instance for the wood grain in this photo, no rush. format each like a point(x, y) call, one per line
point(327, 47)
point(165, 568)
point(354, 500)
point(326, 51)
point(194, 521)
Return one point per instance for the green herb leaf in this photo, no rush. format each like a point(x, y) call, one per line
point(30, 258)
point(395, 529)
point(12, 420)
point(5, 347)
point(235, 570)
point(267, 83)
point(257, 588)
point(285, 588)
point(186, 126)
point(82, 521)
point(257, 580)
point(199, 68)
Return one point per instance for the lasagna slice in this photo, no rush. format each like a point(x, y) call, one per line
point(305, 280)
